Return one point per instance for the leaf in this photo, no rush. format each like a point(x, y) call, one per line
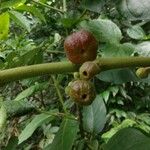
point(12, 143)
point(69, 22)
point(126, 123)
point(94, 116)
point(135, 9)
point(43, 1)
point(143, 49)
point(11, 3)
point(118, 76)
point(136, 32)
point(105, 95)
point(20, 19)
point(34, 124)
point(3, 117)
point(27, 92)
point(117, 50)
point(144, 117)
point(31, 90)
point(33, 10)
point(18, 107)
point(104, 30)
point(4, 25)
point(66, 135)
point(128, 139)
point(95, 5)
point(94, 144)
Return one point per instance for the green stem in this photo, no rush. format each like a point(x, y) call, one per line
point(89, 69)
point(65, 67)
point(147, 69)
point(55, 52)
point(64, 6)
point(82, 15)
point(48, 6)
point(59, 93)
point(122, 62)
point(80, 108)
point(36, 70)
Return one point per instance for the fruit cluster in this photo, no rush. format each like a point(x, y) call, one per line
point(81, 47)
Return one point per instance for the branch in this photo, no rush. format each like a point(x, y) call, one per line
point(36, 70)
point(91, 68)
point(66, 67)
point(48, 6)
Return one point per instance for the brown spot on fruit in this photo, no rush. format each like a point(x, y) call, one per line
point(81, 46)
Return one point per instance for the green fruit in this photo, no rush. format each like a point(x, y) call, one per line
point(81, 91)
point(88, 70)
point(142, 72)
point(80, 47)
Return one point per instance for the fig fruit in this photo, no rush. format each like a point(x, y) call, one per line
point(88, 70)
point(81, 91)
point(143, 72)
point(81, 46)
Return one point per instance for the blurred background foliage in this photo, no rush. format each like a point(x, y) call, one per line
point(32, 111)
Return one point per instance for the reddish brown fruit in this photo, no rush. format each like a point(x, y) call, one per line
point(80, 47)
point(81, 91)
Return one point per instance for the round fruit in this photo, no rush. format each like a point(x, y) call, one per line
point(81, 91)
point(80, 47)
point(143, 72)
point(88, 70)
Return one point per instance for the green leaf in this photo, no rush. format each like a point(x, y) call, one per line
point(104, 30)
point(12, 143)
point(31, 90)
point(117, 50)
point(34, 124)
point(145, 117)
point(94, 116)
point(4, 25)
point(43, 1)
point(27, 92)
point(3, 117)
point(32, 10)
point(66, 135)
point(105, 95)
point(69, 22)
point(136, 32)
point(18, 107)
point(11, 3)
point(126, 123)
point(20, 19)
point(95, 5)
point(118, 76)
point(128, 139)
point(143, 49)
point(94, 144)
point(135, 9)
